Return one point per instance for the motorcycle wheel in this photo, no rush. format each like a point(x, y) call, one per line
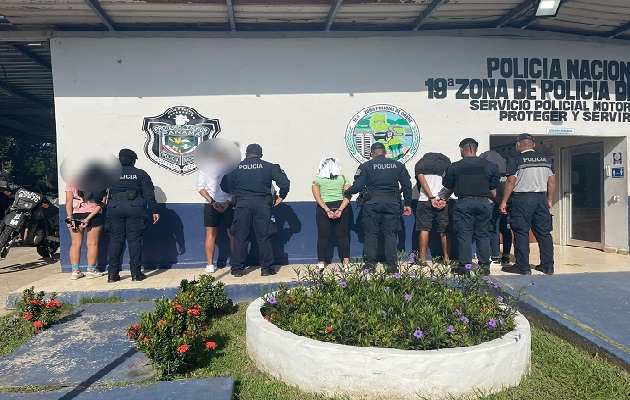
point(5, 236)
point(43, 251)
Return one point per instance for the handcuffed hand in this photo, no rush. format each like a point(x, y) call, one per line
point(407, 211)
point(503, 207)
point(338, 213)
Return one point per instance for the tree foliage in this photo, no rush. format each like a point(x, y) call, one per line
point(30, 163)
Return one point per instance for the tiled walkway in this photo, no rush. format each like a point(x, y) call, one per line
point(589, 294)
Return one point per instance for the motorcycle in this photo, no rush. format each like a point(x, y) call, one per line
point(32, 220)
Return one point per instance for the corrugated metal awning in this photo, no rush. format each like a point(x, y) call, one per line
point(26, 79)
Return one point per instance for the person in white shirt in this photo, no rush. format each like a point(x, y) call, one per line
point(218, 208)
point(429, 171)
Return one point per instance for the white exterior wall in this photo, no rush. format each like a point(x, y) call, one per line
point(295, 96)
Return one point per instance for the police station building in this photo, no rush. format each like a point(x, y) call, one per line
point(307, 95)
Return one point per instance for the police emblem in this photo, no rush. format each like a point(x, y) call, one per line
point(383, 123)
point(173, 136)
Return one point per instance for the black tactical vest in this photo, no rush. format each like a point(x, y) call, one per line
point(472, 180)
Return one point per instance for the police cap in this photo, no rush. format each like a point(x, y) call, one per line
point(468, 141)
point(377, 146)
point(128, 153)
point(524, 136)
point(253, 148)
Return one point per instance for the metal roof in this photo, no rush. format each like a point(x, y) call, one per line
point(26, 78)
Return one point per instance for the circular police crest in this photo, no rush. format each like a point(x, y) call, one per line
point(383, 123)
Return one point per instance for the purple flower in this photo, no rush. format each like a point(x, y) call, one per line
point(412, 274)
point(533, 283)
point(397, 275)
point(343, 285)
point(492, 323)
point(418, 333)
point(500, 298)
point(272, 300)
point(408, 297)
point(468, 266)
point(464, 319)
point(501, 321)
point(387, 289)
point(412, 257)
point(432, 278)
point(450, 329)
point(366, 271)
point(384, 312)
point(458, 312)
point(489, 281)
point(495, 286)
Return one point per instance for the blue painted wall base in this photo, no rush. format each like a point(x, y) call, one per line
point(177, 241)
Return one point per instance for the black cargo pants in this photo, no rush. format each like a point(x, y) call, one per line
point(126, 220)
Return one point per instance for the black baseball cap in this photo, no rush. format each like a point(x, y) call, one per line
point(468, 141)
point(524, 136)
point(128, 153)
point(253, 148)
point(377, 146)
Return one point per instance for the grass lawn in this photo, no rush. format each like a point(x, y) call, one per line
point(559, 370)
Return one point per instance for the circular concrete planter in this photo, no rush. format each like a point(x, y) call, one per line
point(369, 372)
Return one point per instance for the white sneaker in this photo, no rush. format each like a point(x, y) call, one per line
point(210, 269)
point(76, 274)
point(93, 273)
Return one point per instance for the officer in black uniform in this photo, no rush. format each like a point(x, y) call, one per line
point(530, 185)
point(474, 181)
point(250, 184)
point(127, 216)
point(379, 180)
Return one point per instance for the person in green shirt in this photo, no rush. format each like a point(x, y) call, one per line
point(331, 211)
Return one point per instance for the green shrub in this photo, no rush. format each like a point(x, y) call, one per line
point(420, 308)
point(39, 312)
point(174, 335)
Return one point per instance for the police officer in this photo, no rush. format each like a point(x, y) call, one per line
point(530, 184)
point(250, 185)
point(379, 180)
point(473, 180)
point(126, 219)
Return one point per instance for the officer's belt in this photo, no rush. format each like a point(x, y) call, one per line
point(384, 194)
point(522, 193)
point(262, 197)
point(471, 197)
point(122, 196)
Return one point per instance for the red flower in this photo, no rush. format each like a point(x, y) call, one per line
point(329, 328)
point(275, 316)
point(183, 348)
point(268, 319)
point(179, 308)
point(135, 326)
point(28, 317)
point(193, 311)
point(38, 324)
point(211, 345)
point(160, 323)
point(457, 306)
point(197, 306)
point(146, 339)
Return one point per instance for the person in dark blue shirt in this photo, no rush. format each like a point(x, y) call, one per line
point(381, 180)
point(474, 181)
point(251, 185)
point(127, 216)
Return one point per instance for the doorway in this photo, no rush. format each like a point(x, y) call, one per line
point(582, 189)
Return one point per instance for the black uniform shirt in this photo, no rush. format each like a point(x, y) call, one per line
point(135, 178)
point(381, 174)
point(253, 178)
point(454, 179)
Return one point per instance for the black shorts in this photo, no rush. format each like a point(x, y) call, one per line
point(212, 218)
point(425, 214)
point(96, 220)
